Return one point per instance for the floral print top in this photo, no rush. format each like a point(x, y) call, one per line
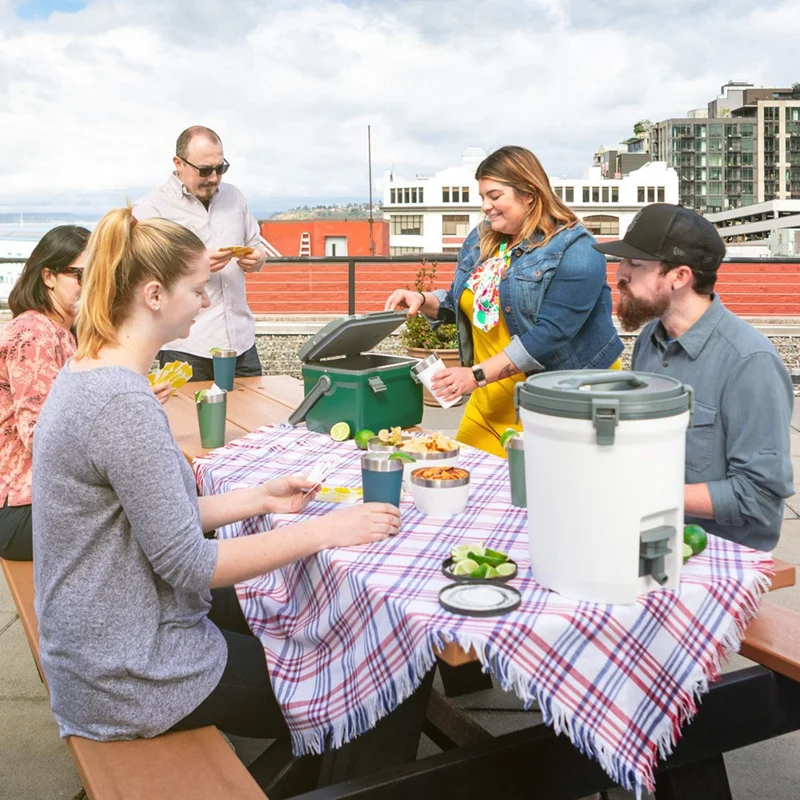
point(485, 285)
point(33, 349)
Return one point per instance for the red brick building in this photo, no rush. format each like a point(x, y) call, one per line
point(318, 238)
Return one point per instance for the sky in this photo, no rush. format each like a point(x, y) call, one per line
point(93, 93)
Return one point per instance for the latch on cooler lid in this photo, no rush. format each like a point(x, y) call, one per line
point(376, 384)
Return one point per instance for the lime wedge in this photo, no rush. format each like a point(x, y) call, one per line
point(504, 570)
point(481, 572)
point(491, 572)
point(465, 567)
point(214, 350)
point(497, 554)
point(687, 552)
point(200, 393)
point(400, 455)
point(340, 431)
point(508, 433)
point(462, 551)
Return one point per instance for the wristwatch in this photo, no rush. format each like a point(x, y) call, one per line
point(480, 378)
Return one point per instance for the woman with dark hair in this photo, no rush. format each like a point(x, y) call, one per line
point(529, 294)
point(33, 348)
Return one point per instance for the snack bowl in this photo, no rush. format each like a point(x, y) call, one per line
point(432, 458)
point(439, 498)
point(447, 571)
point(377, 445)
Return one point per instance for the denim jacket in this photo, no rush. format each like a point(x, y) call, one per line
point(554, 299)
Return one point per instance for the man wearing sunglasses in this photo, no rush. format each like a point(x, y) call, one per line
point(195, 197)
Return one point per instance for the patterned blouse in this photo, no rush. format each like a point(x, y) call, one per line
point(33, 349)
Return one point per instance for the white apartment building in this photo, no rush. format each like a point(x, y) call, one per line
point(434, 213)
point(770, 228)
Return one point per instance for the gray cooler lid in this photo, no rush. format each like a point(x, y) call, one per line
point(350, 336)
point(604, 396)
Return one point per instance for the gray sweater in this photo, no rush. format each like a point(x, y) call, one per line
point(121, 567)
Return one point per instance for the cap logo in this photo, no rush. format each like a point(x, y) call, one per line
point(634, 221)
point(676, 251)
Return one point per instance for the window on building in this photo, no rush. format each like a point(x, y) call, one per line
point(455, 225)
point(455, 194)
point(585, 194)
point(605, 194)
point(661, 194)
point(569, 194)
point(715, 188)
point(651, 194)
point(407, 195)
point(558, 191)
point(640, 195)
point(414, 195)
point(715, 130)
point(595, 194)
point(465, 194)
point(401, 251)
point(406, 224)
point(421, 195)
point(451, 250)
point(445, 194)
point(601, 225)
point(393, 193)
point(746, 130)
point(335, 246)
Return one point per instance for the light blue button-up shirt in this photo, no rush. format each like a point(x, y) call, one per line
point(739, 442)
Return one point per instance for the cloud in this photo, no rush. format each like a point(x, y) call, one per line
point(91, 102)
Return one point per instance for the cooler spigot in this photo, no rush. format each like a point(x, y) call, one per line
point(652, 552)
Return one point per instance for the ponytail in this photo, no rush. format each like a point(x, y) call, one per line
point(122, 255)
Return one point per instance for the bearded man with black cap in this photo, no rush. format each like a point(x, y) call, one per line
point(738, 467)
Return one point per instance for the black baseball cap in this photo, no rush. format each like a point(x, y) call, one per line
point(664, 232)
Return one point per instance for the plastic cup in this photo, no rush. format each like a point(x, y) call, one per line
point(224, 368)
point(516, 471)
point(425, 371)
point(211, 419)
point(381, 478)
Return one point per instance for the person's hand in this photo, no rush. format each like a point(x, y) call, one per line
point(254, 261)
point(401, 299)
point(286, 495)
point(218, 259)
point(163, 391)
point(450, 383)
point(363, 523)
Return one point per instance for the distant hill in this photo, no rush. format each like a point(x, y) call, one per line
point(334, 211)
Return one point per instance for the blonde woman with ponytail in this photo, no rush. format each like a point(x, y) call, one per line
point(529, 294)
point(140, 631)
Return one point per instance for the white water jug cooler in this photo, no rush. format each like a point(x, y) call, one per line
point(604, 467)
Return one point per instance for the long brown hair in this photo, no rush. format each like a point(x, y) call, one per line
point(520, 169)
point(55, 251)
point(123, 254)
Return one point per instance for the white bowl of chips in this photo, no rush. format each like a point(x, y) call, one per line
point(440, 491)
point(430, 449)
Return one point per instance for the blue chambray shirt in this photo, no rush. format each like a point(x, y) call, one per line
point(739, 443)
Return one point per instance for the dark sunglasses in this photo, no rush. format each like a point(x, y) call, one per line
point(204, 172)
point(76, 271)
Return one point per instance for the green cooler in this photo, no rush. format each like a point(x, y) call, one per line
point(343, 383)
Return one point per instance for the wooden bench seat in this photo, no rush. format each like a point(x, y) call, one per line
point(199, 763)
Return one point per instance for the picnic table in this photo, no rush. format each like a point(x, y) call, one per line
point(574, 659)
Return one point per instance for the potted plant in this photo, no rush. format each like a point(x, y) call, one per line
point(421, 338)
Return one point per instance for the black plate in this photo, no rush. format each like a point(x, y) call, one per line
point(448, 562)
point(479, 598)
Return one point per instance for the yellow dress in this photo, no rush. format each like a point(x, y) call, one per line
point(490, 410)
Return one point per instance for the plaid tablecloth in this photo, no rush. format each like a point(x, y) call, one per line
point(349, 633)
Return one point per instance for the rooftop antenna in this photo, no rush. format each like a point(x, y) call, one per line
point(369, 159)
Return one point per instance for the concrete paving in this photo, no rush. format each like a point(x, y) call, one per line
point(35, 764)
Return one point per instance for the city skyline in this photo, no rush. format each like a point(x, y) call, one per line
point(291, 89)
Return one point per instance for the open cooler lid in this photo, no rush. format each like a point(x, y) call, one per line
point(351, 336)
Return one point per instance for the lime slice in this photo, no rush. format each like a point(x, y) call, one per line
point(695, 536)
point(362, 437)
point(200, 393)
point(462, 551)
point(504, 570)
point(491, 561)
point(214, 350)
point(400, 455)
point(491, 572)
point(465, 567)
point(340, 431)
point(481, 572)
point(497, 554)
point(508, 433)
point(687, 552)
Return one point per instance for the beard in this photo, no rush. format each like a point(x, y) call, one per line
point(633, 312)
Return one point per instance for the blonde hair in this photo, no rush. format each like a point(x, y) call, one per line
point(122, 254)
point(521, 170)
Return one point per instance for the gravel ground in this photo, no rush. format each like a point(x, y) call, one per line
point(279, 353)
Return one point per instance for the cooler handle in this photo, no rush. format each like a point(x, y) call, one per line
point(323, 387)
point(613, 376)
point(376, 384)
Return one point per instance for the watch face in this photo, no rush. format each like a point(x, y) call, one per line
point(478, 373)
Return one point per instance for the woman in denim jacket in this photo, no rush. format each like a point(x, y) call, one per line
point(529, 294)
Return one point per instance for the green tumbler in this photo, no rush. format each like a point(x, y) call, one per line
point(224, 368)
point(516, 471)
point(211, 419)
